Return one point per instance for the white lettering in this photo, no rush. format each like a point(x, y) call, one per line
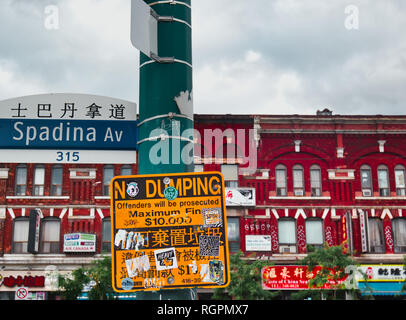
point(17, 129)
point(51, 21)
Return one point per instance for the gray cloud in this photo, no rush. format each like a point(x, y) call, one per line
point(259, 56)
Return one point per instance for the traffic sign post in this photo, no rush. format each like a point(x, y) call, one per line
point(165, 100)
point(169, 231)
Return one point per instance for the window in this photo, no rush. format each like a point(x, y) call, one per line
point(314, 232)
point(298, 180)
point(280, 177)
point(287, 235)
point(366, 181)
point(383, 181)
point(106, 236)
point(399, 234)
point(230, 173)
point(50, 235)
point(375, 232)
point(233, 232)
point(39, 180)
point(56, 180)
point(315, 181)
point(198, 168)
point(126, 170)
point(108, 174)
point(20, 235)
point(21, 180)
point(400, 180)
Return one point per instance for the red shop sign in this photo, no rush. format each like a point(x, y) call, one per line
point(292, 278)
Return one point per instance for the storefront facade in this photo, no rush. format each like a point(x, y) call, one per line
point(291, 181)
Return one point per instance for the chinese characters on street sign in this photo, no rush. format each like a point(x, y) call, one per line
point(169, 232)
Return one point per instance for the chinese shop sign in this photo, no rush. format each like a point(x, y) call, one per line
point(169, 231)
point(292, 277)
point(383, 273)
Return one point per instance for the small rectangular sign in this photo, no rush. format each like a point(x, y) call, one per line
point(144, 28)
point(79, 242)
point(69, 156)
point(169, 231)
point(258, 243)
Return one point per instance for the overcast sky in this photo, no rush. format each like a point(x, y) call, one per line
point(249, 56)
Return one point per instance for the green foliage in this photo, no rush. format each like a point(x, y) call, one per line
point(98, 273)
point(333, 263)
point(245, 281)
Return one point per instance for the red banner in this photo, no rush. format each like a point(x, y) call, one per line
point(293, 278)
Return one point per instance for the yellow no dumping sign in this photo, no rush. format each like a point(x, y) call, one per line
point(168, 231)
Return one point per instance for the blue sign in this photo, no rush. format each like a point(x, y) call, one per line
point(68, 134)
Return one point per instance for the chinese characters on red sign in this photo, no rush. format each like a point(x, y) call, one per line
point(292, 277)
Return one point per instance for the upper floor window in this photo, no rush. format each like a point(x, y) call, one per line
point(366, 181)
point(39, 181)
point(56, 180)
point(315, 181)
point(50, 235)
point(383, 181)
point(20, 235)
point(126, 170)
point(399, 234)
point(21, 180)
point(280, 177)
point(198, 168)
point(375, 233)
point(287, 235)
point(230, 174)
point(298, 180)
point(400, 180)
point(108, 174)
point(106, 235)
point(314, 232)
point(233, 231)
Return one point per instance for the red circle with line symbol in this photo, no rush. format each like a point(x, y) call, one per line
point(22, 293)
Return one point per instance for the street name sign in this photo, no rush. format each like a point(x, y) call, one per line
point(65, 121)
point(169, 231)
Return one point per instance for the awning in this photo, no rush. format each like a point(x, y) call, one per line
point(381, 288)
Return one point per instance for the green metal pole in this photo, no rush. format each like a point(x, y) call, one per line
point(160, 83)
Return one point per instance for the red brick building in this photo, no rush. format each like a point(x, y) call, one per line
point(290, 180)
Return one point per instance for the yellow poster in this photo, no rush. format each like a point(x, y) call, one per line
point(169, 231)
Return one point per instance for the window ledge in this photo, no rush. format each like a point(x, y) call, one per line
point(381, 198)
point(102, 197)
point(300, 197)
point(38, 197)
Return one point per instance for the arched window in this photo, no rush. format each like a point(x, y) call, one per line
point(383, 181)
point(375, 232)
point(366, 181)
point(315, 180)
point(20, 235)
point(298, 180)
point(280, 180)
point(287, 235)
point(399, 234)
point(314, 232)
point(50, 235)
point(108, 174)
point(400, 180)
point(21, 180)
point(56, 180)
